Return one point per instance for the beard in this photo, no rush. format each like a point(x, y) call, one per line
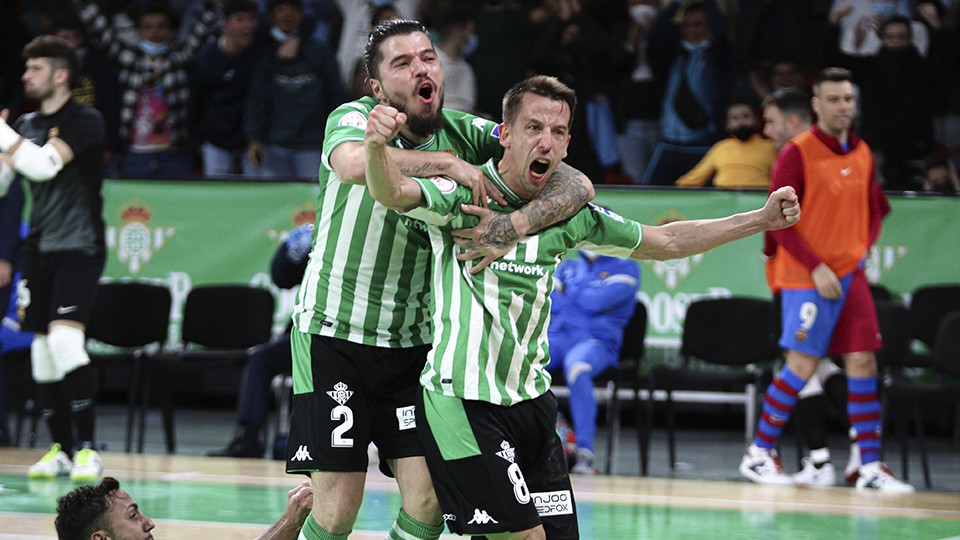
point(38, 93)
point(423, 126)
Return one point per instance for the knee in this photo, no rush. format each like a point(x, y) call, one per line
point(861, 364)
point(575, 370)
point(66, 345)
point(422, 505)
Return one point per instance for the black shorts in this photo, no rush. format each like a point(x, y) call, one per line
point(56, 286)
point(350, 395)
point(497, 469)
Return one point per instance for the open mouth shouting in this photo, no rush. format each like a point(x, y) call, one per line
point(427, 92)
point(538, 169)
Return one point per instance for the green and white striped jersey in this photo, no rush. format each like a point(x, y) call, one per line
point(366, 279)
point(490, 329)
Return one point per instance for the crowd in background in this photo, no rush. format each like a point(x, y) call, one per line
point(244, 86)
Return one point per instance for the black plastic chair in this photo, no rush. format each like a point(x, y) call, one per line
point(736, 336)
point(132, 318)
point(626, 373)
point(221, 323)
point(904, 397)
point(928, 306)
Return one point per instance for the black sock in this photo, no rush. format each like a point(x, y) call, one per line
point(55, 407)
point(80, 388)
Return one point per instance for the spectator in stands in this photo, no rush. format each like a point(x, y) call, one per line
point(782, 73)
point(573, 47)
point(360, 85)
point(503, 53)
point(457, 39)
point(697, 62)
point(96, 84)
point(641, 99)
point(940, 176)
point(269, 360)
point(357, 16)
point(742, 160)
point(294, 87)
point(106, 511)
point(154, 91)
point(859, 21)
point(219, 77)
point(593, 298)
point(896, 89)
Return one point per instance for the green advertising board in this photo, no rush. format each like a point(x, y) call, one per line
point(186, 233)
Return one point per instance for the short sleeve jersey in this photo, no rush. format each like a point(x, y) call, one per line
point(67, 211)
point(367, 276)
point(490, 328)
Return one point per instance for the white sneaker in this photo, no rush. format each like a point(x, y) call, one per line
point(584, 464)
point(876, 476)
point(763, 466)
point(87, 466)
point(812, 476)
point(852, 471)
point(53, 464)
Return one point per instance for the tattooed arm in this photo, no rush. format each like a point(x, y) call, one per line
point(563, 195)
point(349, 162)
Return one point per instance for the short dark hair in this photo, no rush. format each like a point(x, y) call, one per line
point(232, 7)
point(274, 3)
point(83, 511)
point(832, 74)
point(790, 101)
point(66, 21)
point(157, 6)
point(541, 85)
point(60, 53)
point(372, 55)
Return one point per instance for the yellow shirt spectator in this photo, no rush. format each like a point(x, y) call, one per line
point(733, 163)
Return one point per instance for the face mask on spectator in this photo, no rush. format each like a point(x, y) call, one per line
point(154, 49)
point(690, 47)
point(279, 35)
point(743, 133)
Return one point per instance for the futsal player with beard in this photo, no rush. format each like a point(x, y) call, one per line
point(361, 328)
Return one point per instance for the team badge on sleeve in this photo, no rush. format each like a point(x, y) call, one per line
point(605, 211)
point(444, 184)
point(353, 119)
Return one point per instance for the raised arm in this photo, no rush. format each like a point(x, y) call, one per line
point(386, 182)
point(684, 238)
point(349, 162)
point(299, 504)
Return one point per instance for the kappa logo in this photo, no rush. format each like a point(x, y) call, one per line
point(481, 517)
point(508, 453)
point(340, 394)
point(302, 454)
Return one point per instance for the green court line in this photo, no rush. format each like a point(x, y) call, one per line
point(187, 501)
